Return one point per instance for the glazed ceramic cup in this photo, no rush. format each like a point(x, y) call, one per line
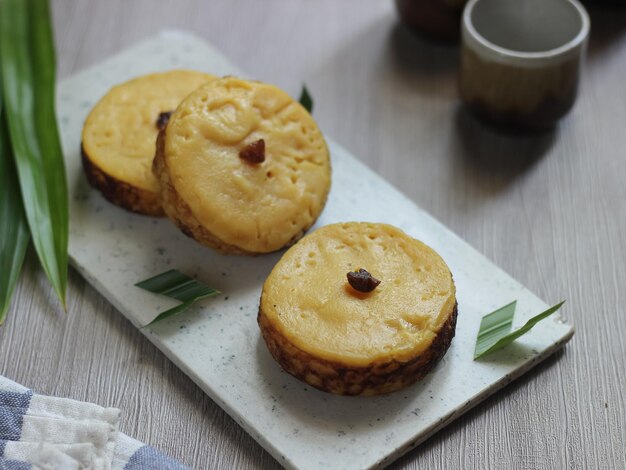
point(437, 19)
point(521, 59)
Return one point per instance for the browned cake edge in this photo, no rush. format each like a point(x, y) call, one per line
point(120, 193)
point(375, 379)
point(180, 212)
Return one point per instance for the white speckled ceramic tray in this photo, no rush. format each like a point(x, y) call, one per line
point(218, 343)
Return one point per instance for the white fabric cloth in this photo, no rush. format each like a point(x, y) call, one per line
point(49, 433)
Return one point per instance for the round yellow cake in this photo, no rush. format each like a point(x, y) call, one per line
point(119, 135)
point(336, 338)
point(243, 167)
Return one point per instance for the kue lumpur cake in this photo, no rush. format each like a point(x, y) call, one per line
point(243, 167)
point(358, 309)
point(118, 139)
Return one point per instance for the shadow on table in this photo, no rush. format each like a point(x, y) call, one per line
point(419, 63)
point(410, 69)
point(356, 415)
point(491, 159)
point(434, 445)
point(389, 60)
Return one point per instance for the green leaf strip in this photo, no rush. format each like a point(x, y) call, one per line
point(306, 100)
point(489, 342)
point(179, 286)
point(44, 70)
point(171, 312)
point(28, 71)
point(14, 233)
point(494, 326)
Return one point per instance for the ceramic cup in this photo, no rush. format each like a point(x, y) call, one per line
point(521, 59)
point(437, 19)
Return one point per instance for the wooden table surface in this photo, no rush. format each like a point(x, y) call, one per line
point(549, 209)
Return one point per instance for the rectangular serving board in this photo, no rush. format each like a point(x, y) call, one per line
point(218, 343)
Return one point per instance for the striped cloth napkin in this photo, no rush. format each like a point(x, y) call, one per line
point(47, 433)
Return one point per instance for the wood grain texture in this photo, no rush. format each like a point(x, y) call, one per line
point(549, 209)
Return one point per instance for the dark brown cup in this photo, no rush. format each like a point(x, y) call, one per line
point(438, 19)
point(521, 60)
